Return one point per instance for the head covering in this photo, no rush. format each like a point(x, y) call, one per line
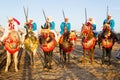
point(91, 20)
point(31, 19)
point(66, 18)
point(14, 19)
point(110, 15)
point(49, 18)
point(10, 18)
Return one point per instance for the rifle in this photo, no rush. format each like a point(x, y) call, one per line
point(85, 15)
point(44, 15)
point(26, 17)
point(63, 14)
point(107, 11)
point(47, 24)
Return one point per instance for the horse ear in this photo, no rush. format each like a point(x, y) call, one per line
point(42, 27)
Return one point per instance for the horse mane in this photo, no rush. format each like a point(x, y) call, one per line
point(66, 36)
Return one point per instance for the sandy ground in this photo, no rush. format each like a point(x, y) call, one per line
point(75, 70)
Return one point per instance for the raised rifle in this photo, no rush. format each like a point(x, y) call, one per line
point(107, 11)
point(44, 15)
point(63, 14)
point(47, 24)
point(64, 17)
point(85, 15)
point(26, 17)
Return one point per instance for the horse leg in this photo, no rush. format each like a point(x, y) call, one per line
point(32, 60)
point(34, 53)
point(92, 55)
point(84, 56)
point(89, 55)
point(15, 55)
point(45, 60)
point(69, 57)
point(31, 57)
point(103, 55)
point(50, 59)
point(109, 55)
point(64, 56)
point(8, 61)
point(60, 49)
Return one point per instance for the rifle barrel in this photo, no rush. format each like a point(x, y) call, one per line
point(63, 14)
point(85, 15)
point(44, 15)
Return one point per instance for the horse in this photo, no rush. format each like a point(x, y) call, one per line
point(1, 34)
point(47, 44)
point(106, 39)
point(88, 42)
point(12, 47)
point(30, 45)
point(66, 45)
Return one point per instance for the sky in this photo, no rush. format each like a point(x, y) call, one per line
point(73, 9)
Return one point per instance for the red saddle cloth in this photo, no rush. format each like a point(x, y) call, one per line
point(11, 46)
point(67, 47)
point(107, 43)
point(88, 44)
point(49, 46)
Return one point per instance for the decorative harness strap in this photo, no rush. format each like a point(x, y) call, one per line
point(12, 26)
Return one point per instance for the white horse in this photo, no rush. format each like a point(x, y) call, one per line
point(12, 46)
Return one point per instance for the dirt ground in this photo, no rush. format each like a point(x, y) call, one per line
point(75, 70)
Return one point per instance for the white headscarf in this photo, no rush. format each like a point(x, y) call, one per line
point(91, 20)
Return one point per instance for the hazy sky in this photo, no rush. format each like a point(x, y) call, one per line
point(74, 9)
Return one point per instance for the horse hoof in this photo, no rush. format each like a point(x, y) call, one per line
point(6, 70)
point(49, 67)
point(92, 63)
point(45, 66)
point(16, 70)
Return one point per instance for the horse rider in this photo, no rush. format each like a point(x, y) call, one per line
point(31, 26)
point(109, 21)
point(13, 24)
point(51, 25)
point(93, 24)
point(65, 25)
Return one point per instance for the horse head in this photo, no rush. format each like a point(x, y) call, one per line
point(87, 31)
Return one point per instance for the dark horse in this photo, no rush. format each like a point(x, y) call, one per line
point(66, 43)
point(47, 44)
point(107, 39)
point(88, 42)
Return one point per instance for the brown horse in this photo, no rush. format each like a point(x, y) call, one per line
point(12, 46)
point(47, 44)
point(88, 42)
point(107, 39)
point(66, 44)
